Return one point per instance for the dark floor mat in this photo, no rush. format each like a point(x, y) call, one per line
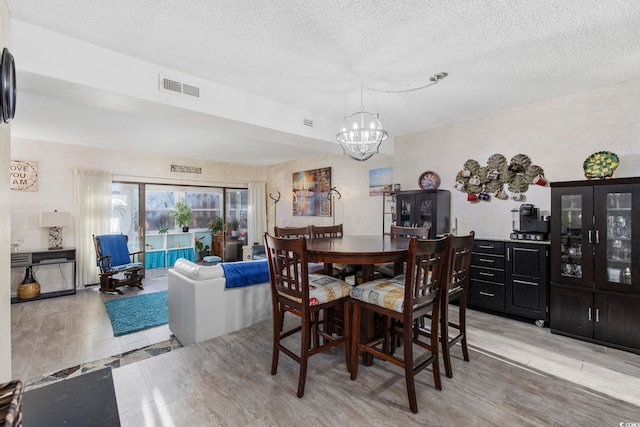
point(86, 400)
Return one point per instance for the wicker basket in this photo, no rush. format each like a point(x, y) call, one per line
point(11, 404)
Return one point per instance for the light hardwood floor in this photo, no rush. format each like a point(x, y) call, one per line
point(519, 374)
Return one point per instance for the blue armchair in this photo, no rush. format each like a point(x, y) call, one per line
point(113, 258)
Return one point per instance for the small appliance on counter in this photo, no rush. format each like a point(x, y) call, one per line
point(527, 224)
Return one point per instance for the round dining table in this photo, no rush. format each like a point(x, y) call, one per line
point(360, 250)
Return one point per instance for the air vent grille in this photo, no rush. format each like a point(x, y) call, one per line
point(174, 86)
point(308, 122)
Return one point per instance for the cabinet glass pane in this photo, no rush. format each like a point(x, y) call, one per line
point(426, 213)
point(571, 238)
point(405, 213)
point(619, 237)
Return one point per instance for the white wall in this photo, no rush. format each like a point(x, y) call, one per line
point(557, 134)
point(5, 225)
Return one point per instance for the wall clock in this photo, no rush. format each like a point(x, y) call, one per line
point(429, 180)
point(7, 86)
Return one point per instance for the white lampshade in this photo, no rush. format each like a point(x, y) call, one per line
point(55, 219)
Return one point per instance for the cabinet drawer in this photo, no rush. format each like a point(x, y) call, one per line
point(488, 295)
point(487, 274)
point(488, 247)
point(487, 260)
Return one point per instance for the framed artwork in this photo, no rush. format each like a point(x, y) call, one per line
point(380, 180)
point(310, 192)
point(24, 175)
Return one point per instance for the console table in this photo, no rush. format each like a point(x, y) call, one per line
point(49, 270)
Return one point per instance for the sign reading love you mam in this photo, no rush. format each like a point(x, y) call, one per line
point(24, 175)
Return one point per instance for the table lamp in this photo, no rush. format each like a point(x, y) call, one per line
point(55, 221)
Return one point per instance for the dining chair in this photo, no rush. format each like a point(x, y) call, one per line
point(419, 232)
point(323, 232)
point(293, 232)
point(295, 290)
point(457, 288)
point(388, 270)
point(406, 301)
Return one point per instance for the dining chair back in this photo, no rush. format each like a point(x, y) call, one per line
point(405, 300)
point(293, 232)
point(457, 288)
point(295, 290)
point(321, 232)
point(419, 232)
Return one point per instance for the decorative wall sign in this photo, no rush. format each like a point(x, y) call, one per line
point(310, 191)
point(185, 169)
point(380, 180)
point(24, 175)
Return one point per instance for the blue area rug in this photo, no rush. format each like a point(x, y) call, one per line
point(133, 314)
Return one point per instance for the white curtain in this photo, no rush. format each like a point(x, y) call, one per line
point(92, 205)
point(257, 212)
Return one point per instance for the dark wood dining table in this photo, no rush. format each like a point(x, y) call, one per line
point(360, 250)
point(364, 251)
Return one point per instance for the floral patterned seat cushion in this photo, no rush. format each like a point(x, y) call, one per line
point(323, 289)
point(387, 293)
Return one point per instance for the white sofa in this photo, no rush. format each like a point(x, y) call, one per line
point(201, 307)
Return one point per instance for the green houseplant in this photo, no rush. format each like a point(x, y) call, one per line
point(182, 215)
point(216, 224)
point(203, 249)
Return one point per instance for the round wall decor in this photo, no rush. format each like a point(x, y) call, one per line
point(429, 180)
point(8, 86)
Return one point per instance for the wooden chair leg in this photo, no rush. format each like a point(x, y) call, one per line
point(463, 327)
point(444, 337)
point(277, 329)
point(355, 339)
point(407, 335)
point(346, 332)
point(304, 353)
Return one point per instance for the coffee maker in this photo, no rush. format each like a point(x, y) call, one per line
point(527, 224)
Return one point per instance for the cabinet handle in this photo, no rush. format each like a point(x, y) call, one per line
point(597, 236)
point(482, 273)
point(589, 314)
point(597, 315)
point(590, 237)
point(508, 254)
point(487, 294)
point(485, 246)
point(485, 260)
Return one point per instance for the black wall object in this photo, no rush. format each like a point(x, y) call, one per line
point(7, 86)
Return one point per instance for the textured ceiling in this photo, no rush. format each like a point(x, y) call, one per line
point(314, 54)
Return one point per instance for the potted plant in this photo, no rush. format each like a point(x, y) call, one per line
point(182, 215)
point(234, 227)
point(203, 250)
point(162, 222)
point(216, 224)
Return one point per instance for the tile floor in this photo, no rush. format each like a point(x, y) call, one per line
point(57, 333)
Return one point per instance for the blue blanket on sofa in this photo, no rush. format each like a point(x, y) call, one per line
point(245, 273)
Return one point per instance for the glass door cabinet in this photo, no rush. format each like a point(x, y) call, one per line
point(595, 260)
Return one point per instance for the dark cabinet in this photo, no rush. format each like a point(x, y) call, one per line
point(424, 208)
point(527, 280)
point(510, 277)
point(595, 268)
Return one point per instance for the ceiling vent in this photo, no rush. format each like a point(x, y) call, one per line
point(308, 122)
point(174, 86)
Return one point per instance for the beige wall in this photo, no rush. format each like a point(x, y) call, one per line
point(558, 135)
point(5, 225)
point(356, 210)
point(56, 163)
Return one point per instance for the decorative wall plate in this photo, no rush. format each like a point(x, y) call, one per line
point(600, 164)
point(429, 180)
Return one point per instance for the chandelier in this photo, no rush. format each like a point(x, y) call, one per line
point(362, 133)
